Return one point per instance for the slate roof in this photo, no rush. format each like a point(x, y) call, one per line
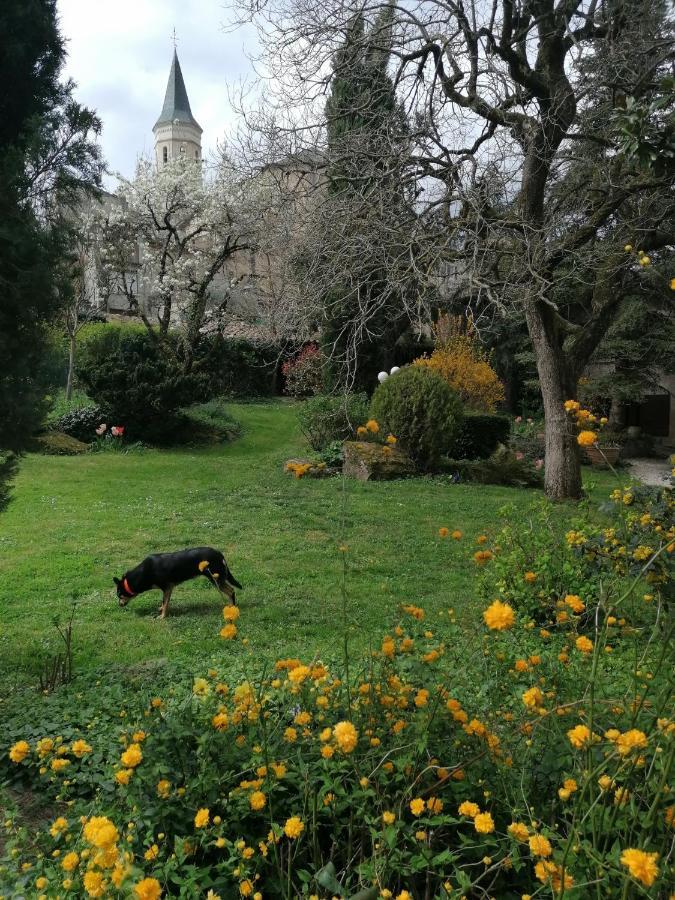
point(176, 103)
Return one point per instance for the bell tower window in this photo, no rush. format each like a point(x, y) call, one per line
point(165, 154)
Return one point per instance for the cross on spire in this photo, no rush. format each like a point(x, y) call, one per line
point(174, 38)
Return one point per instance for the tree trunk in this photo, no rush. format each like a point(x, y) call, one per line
point(71, 367)
point(562, 479)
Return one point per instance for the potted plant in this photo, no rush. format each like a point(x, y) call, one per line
point(605, 452)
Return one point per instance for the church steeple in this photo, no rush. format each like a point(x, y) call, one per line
point(177, 132)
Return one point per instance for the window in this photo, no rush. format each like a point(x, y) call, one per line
point(165, 154)
point(196, 154)
point(182, 150)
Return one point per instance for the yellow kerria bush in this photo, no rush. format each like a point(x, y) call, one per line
point(151, 853)
point(202, 818)
point(539, 845)
point(346, 736)
point(499, 616)
point(94, 884)
point(100, 832)
point(132, 756)
point(533, 698)
point(148, 889)
point(467, 808)
point(372, 426)
point(294, 827)
point(298, 674)
point(70, 862)
point(257, 800)
point(435, 805)
point(583, 644)
point(290, 735)
point(80, 748)
point(388, 818)
point(417, 806)
point(634, 739)
point(123, 776)
point(19, 751)
point(163, 788)
point(575, 603)
point(641, 865)
point(519, 831)
point(579, 736)
point(586, 438)
point(484, 823)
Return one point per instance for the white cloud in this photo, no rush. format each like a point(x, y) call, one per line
point(120, 54)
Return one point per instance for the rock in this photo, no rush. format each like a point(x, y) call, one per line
point(307, 468)
point(56, 443)
point(368, 461)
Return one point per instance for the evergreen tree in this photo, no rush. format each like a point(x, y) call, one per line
point(367, 207)
point(47, 159)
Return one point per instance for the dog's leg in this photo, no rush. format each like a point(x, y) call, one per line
point(166, 596)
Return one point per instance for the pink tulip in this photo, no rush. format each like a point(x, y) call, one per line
point(519, 419)
point(529, 421)
point(117, 430)
point(519, 455)
point(101, 428)
point(539, 463)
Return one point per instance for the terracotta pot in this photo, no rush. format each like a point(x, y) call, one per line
point(608, 455)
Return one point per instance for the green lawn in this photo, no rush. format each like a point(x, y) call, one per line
point(77, 521)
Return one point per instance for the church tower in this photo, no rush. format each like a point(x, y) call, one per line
point(177, 132)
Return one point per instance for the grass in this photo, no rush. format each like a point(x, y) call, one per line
point(77, 521)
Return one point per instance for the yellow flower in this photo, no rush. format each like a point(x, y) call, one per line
point(245, 888)
point(204, 564)
point(641, 865)
point(41, 882)
point(80, 748)
point(58, 764)
point(132, 756)
point(484, 823)
point(362, 430)
point(220, 721)
point(530, 577)
point(19, 751)
point(202, 818)
point(94, 884)
point(456, 534)
point(572, 405)
point(257, 800)
point(299, 674)
point(575, 603)
point(443, 532)
point(372, 426)
point(294, 827)
point(519, 831)
point(231, 613)
point(290, 735)
point(435, 806)
point(58, 825)
point(468, 809)
point(229, 632)
point(163, 788)
point(388, 818)
point(586, 438)
point(417, 806)
point(70, 862)
point(100, 832)
point(123, 776)
point(579, 736)
point(346, 736)
point(583, 644)
point(327, 751)
point(148, 889)
point(533, 698)
point(631, 740)
point(628, 248)
point(151, 853)
point(539, 845)
point(392, 440)
point(499, 616)
point(404, 895)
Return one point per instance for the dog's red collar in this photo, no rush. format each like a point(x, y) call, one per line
point(129, 592)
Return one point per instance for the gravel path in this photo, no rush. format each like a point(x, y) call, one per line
point(654, 472)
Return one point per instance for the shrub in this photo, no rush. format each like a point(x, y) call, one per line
point(526, 438)
point(459, 358)
point(480, 434)
point(502, 467)
point(140, 385)
point(304, 374)
point(325, 419)
point(421, 410)
point(237, 366)
point(56, 443)
point(81, 422)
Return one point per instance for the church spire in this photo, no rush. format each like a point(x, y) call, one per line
point(176, 103)
point(177, 132)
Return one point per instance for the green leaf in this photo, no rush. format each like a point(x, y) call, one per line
point(367, 894)
point(326, 878)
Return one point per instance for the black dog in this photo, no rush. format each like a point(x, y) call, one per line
point(165, 570)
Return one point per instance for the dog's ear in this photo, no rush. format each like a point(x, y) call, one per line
point(117, 581)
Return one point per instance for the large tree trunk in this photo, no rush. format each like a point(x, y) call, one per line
point(563, 467)
point(71, 367)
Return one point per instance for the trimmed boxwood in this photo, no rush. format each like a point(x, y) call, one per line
point(421, 410)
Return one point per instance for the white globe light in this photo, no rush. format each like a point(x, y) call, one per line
point(382, 376)
point(395, 370)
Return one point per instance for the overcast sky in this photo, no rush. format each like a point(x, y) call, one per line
point(120, 54)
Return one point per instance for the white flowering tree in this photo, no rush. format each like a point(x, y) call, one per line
point(177, 231)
